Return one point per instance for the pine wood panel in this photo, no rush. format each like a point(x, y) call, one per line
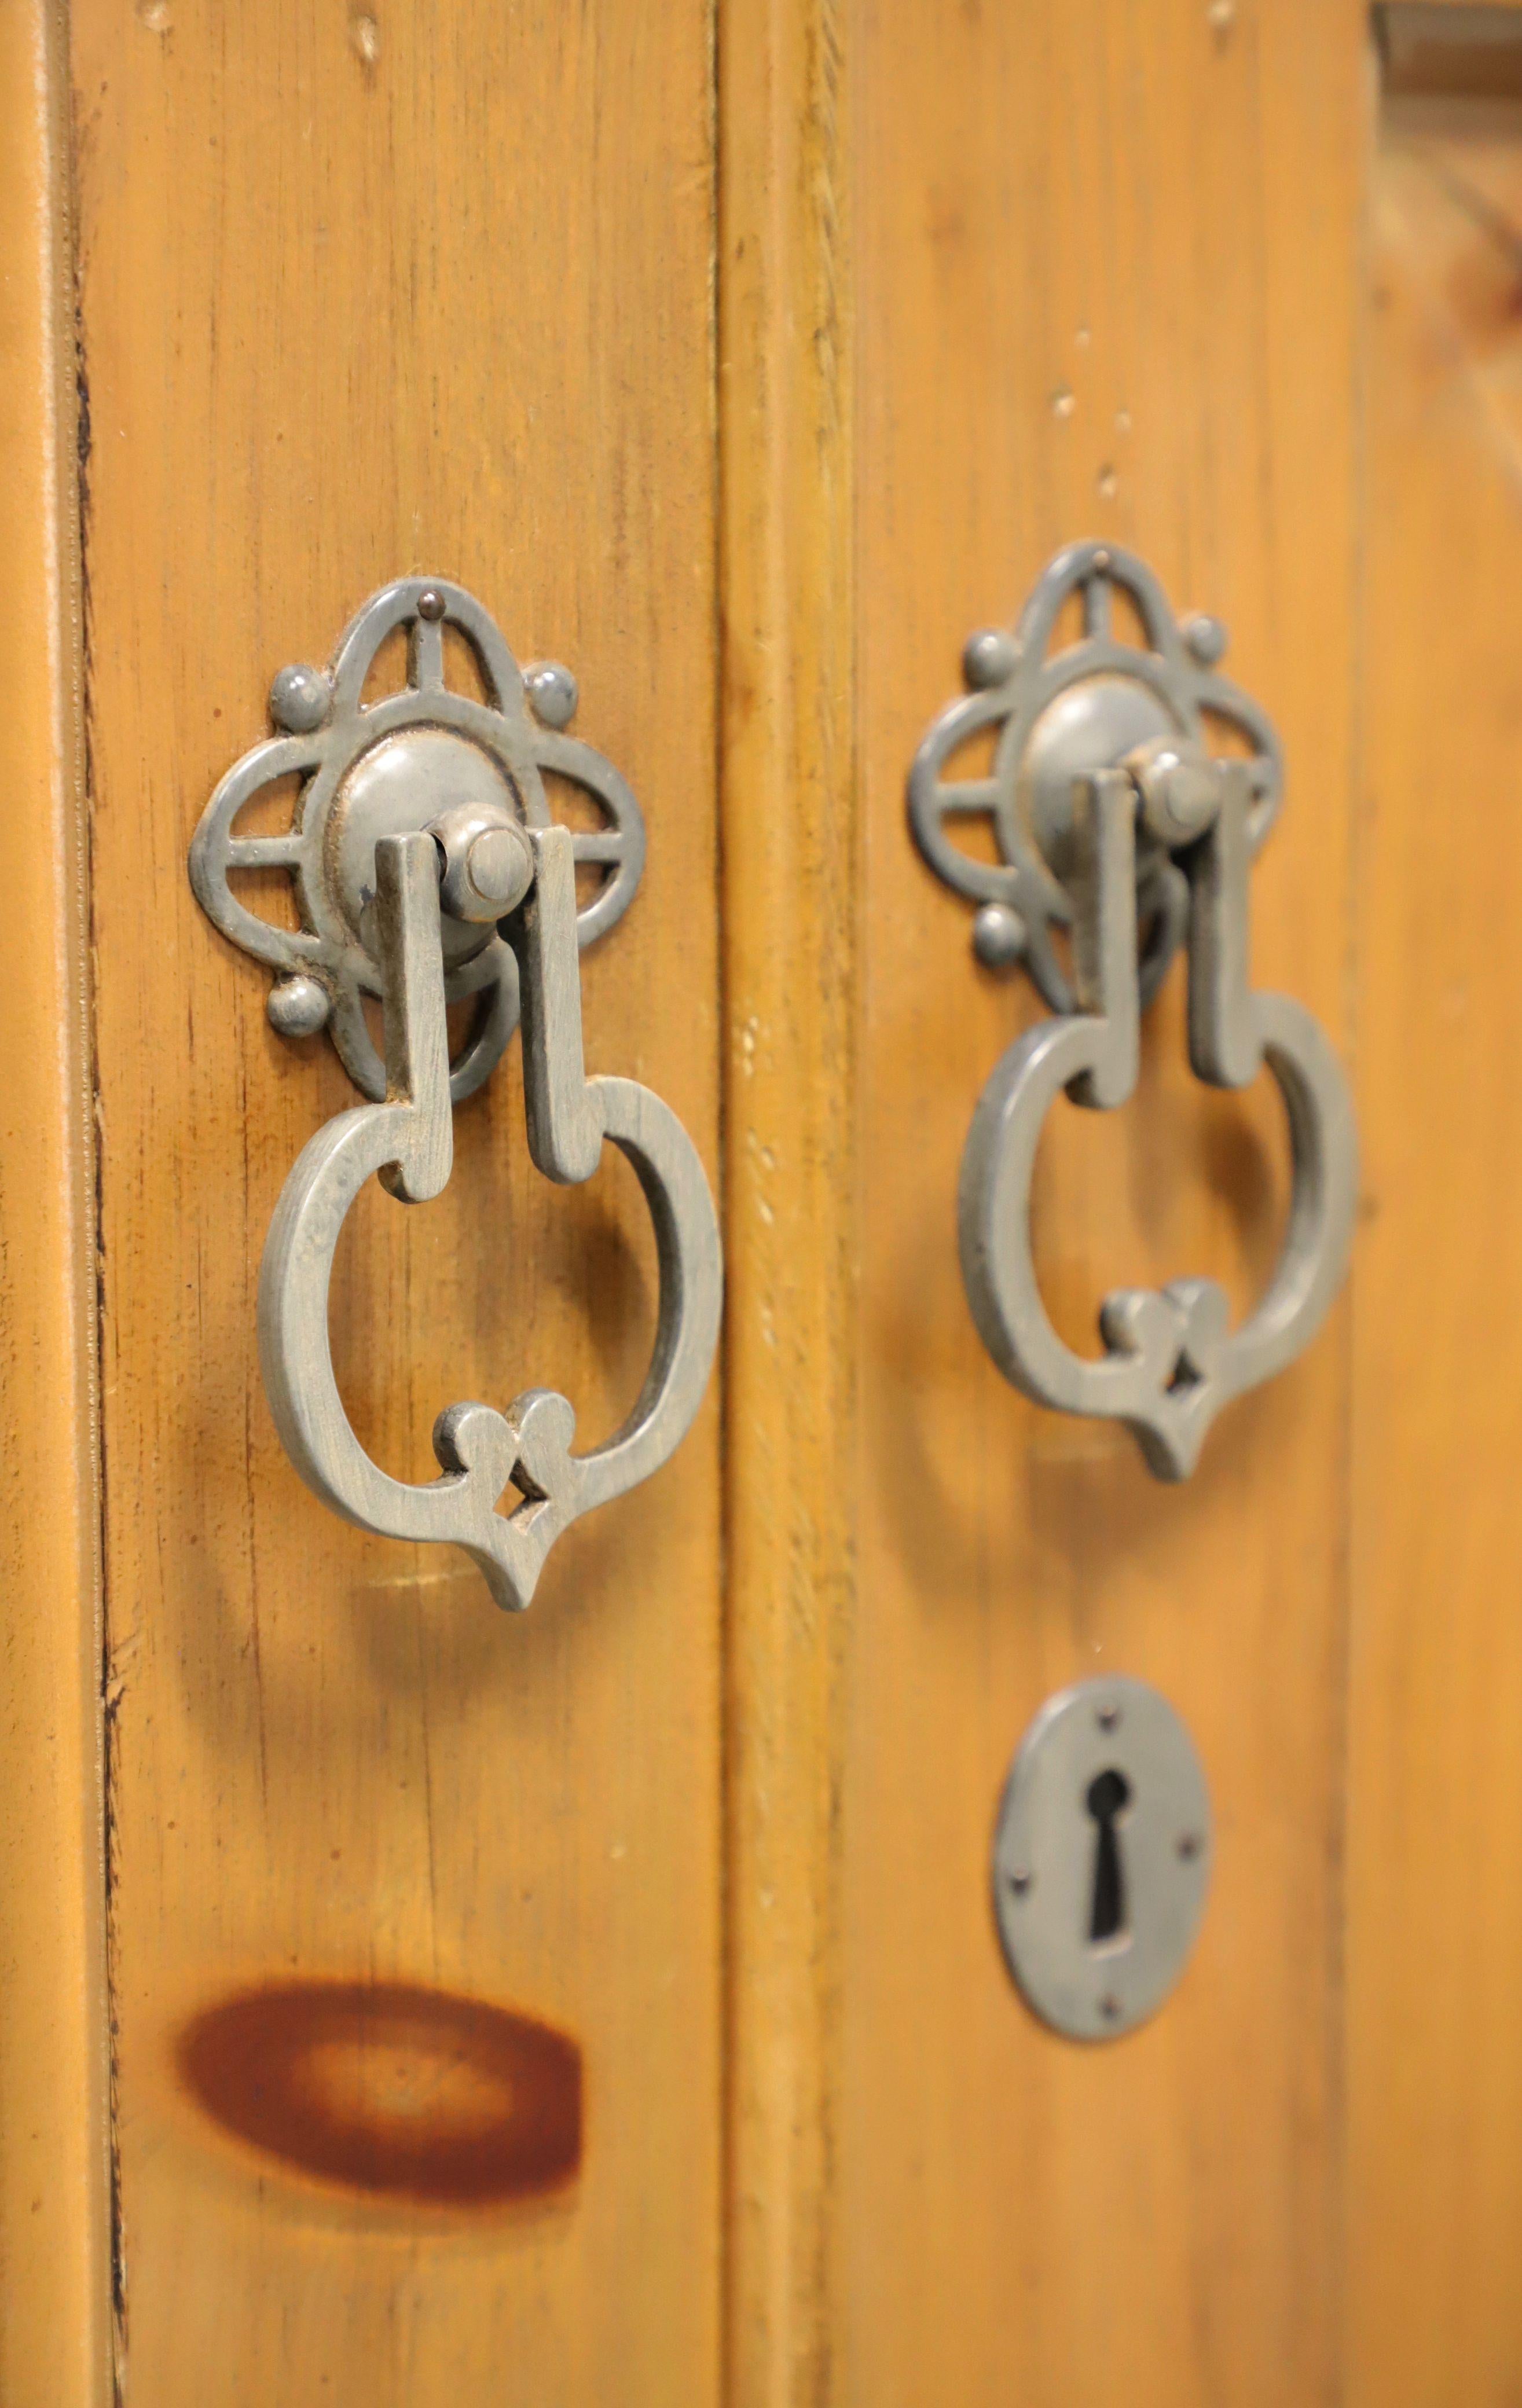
point(1107, 278)
point(364, 293)
point(1435, 1844)
point(54, 2229)
point(791, 899)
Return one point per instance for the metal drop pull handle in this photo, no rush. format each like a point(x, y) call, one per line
point(1111, 816)
point(427, 869)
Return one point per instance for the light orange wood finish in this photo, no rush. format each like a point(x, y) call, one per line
point(376, 289)
point(791, 905)
point(1108, 284)
point(1434, 2212)
point(54, 2221)
point(364, 293)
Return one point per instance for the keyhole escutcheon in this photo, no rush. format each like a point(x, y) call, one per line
point(1107, 1797)
point(1101, 1856)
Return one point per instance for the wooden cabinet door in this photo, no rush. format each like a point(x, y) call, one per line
point(361, 293)
point(747, 355)
point(1236, 286)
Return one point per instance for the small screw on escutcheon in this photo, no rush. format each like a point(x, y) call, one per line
point(431, 604)
point(1110, 2006)
point(1021, 1883)
point(1187, 1845)
point(1108, 1717)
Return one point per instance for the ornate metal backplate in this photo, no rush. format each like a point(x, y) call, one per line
point(383, 768)
point(1055, 710)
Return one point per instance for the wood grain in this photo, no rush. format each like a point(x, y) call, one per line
point(792, 900)
point(54, 2193)
point(400, 288)
point(367, 291)
point(1107, 284)
point(1435, 1842)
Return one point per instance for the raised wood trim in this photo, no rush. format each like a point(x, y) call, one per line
point(791, 898)
point(54, 2192)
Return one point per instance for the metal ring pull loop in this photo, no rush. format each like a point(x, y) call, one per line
point(1123, 798)
point(514, 882)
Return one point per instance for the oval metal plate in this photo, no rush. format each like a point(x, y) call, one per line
point(1046, 1850)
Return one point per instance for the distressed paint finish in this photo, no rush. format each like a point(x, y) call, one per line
point(364, 295)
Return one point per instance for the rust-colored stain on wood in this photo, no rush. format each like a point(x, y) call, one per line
point(387, 2088)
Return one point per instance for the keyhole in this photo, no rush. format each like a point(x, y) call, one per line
point(1107, 1797)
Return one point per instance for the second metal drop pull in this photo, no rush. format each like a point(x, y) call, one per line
point(1111, 816)
point(426, 865)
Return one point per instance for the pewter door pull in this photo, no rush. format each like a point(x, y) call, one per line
point(1111, 816)
point(427, 871)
